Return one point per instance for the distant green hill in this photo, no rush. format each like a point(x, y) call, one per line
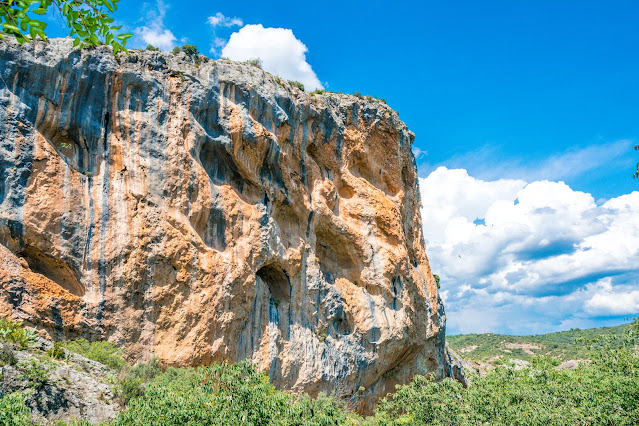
point(563, 345)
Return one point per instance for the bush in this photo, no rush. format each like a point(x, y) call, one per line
point(436, 280)
point(296, 84)
point(13, 411)
point(35, 374)
point(13, 331)
point(151, 48)
point(176, 50)
point(101, 351)
point(257, 62)
point(128, 388)
point(57, 351)
point(357, 94)
point(318, 92)
point(601, 392)
point(225, 394)
point(146, 371)
point(7, 357)
point(189, 49)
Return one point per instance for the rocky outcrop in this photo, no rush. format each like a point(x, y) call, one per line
point(65, 390)
point(209, 211)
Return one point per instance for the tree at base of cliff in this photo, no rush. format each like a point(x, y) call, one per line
point(603, 391)
point(225, 393)
point(89, 21)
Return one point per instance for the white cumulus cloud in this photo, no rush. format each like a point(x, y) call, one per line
point(154, 32)
point(517, 256)
point(279, 50)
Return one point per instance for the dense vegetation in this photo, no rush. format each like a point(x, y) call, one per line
point(563, 345)
point(602, 391)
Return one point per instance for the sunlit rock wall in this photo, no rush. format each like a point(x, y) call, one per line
point(203, 212)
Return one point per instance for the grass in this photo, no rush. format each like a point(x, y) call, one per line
point(563, 345)
point(101, 351)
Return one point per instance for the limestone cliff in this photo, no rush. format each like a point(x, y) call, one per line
point(211, 211)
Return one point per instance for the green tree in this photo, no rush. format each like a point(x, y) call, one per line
point(636, 174)
point(89, 21)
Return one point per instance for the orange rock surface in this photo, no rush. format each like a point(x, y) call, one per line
point(211, 212)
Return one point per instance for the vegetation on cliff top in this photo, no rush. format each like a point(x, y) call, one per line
point(601, 391)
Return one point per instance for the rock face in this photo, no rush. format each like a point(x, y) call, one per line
point(61, 391)
point(210, 211)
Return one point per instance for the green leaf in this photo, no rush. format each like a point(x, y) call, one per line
point(11, 27)
point(123, 37)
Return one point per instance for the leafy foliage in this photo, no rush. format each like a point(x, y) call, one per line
point(296, 84)
point(13, 411)
point(35, 373)
point(189, 49)
point(7, 356)
point(13, 331)
point(57, 351)
point(602, 392)
point(257, 62)
point(101, 351)
point(88, 20)
point(225, 394)
point(636, 174)
point(151, 48)
point(434, 276)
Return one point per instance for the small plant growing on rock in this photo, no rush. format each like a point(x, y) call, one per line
point(13, 410)
point(257, 62)
point(13, 331)
point(318, 92)
point(176, 50)
point(36, 374)
point(101, 351)
point(151, 48)
point(7, 357)
point(296, 84)
point(57, 351)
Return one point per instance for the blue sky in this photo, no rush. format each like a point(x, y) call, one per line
point(502, 96)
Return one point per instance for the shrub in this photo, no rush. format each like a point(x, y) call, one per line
point(35, 373)
point(318, 92)
point(296, 84)
point(189, 49)
point(128, 388)
point(151, 48)
point(357, 94)
point(13, 411)
point(601, 392)
point(257, 62)
point(7, 357)
point(57, 351)
point(146, 371)
point(176, 50)
point(225, 394)
point(436, 280)
point(13, 331)
point(101, 351)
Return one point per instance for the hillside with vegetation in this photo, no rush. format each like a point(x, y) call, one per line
point(564, 345)
point(602, 391)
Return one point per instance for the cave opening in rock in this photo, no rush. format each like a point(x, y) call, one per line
point(277, 282)
point(54, 269)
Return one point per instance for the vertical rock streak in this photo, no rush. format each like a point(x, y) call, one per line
point(202, 213)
